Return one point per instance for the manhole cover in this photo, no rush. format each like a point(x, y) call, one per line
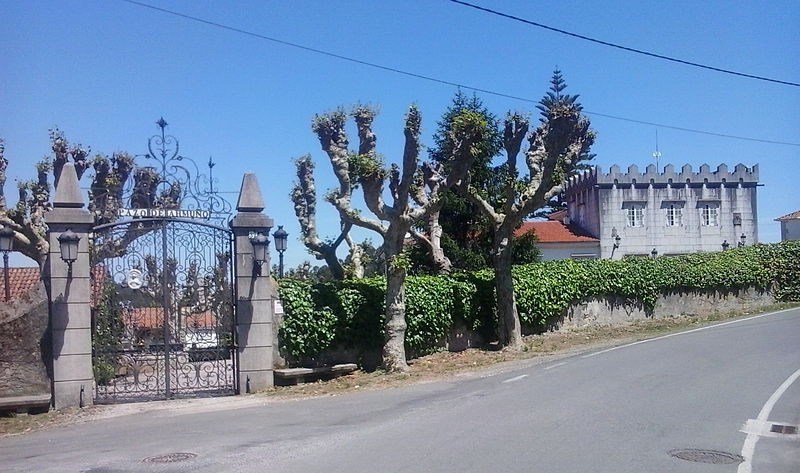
point(783, 429)
point(170, 458)
point(706, 456)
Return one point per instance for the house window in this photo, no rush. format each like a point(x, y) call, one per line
point(709, 215)
point(634, 215)
point(673, 215)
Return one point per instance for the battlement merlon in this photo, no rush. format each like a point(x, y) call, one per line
point(740, 173)
point(582, 180)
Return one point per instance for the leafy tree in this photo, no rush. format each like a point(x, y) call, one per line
point(455, 230)
point(412, 199)
point(459, 230)
point(555, 147)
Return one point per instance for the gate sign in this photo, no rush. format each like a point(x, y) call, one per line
point(165, 213)
point(134, 279)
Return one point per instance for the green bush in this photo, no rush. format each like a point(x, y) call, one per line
point(322, 316)
point(350, 313)
point(782, 263)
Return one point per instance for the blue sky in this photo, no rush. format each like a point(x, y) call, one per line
point(105, 71)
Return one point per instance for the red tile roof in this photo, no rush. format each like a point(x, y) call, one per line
point(553, 231)
point(559, 215)
point(99, 274)
point(792, 216)
point(20, 281)
point(153, 317)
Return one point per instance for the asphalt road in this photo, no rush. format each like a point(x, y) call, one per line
point(618, 410)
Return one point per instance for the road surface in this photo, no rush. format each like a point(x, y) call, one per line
point(615, 410)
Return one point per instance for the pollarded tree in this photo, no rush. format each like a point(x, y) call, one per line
point(26, 218)
point(555, 148)
point(304, 197)
point(555, 98)
point(393, 221)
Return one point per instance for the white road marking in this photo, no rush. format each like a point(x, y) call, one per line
point(764, 429)
point(750, 441)
point(685, 332)
point(516, 378)
point(555, 365)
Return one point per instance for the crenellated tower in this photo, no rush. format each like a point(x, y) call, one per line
point(669, 212)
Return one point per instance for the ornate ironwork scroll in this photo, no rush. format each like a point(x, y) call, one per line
point(160, 183)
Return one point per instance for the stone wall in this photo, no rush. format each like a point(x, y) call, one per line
point(24, 345)
point(615, 310)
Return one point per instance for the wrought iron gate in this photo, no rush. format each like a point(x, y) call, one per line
point(163, 310)
point(162, 300)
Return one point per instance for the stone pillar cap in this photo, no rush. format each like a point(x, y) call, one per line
point(68, 192)
point(250, 199)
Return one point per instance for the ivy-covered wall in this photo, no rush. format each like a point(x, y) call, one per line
point(322, 317)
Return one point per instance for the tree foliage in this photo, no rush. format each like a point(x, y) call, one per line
point(463, 227)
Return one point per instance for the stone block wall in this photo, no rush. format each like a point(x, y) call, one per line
point(615, 310)
point(24, 345)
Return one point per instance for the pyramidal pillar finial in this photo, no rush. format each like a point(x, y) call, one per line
point(250, 199)
point(68, 192)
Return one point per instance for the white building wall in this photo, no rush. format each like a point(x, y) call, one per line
point(733, 192)
point(790, 230)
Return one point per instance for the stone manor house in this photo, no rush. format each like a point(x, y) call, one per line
point(617, 214)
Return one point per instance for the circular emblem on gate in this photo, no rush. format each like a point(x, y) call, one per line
point(134, 279)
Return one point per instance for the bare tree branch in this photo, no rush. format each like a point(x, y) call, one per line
point(304, 197)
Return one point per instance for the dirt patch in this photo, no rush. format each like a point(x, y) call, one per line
point(442, 365)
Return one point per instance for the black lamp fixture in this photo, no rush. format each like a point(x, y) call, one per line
point(68, 243)
point(725, 245)
point(260, 244)
point(742, 240)
point(280, 237)
point(6, 245)
point(654, 253)
point(615, 236)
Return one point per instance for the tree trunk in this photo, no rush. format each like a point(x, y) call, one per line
point(509, 328)
point(394, 350)
point(329, 255)
point(356, 259)
point(441, 263)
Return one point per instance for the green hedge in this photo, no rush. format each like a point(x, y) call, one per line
point(322, 316)
point(350, 313)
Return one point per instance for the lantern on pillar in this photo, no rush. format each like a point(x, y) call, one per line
point(68, 243)
point(280, 237)
point(260, 244)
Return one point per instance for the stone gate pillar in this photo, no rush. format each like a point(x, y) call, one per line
point(255, 291)
point(69, 290)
